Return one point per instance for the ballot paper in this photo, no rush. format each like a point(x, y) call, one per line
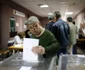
point(25, 68)
point(28, 55)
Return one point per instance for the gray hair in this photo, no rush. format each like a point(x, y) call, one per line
point(31, 20)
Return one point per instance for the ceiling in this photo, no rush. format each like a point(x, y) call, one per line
point(74, 6)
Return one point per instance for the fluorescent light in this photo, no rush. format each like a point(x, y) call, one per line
point(69, 13)
point(44, 6)
point(64, 18)
point(50, 13)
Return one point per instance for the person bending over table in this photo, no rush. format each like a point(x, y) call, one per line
point(48, 45)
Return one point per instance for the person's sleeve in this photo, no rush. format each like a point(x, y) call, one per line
point(18, 40)
point(53, 47)
point(55, 31)
point(76, 29)
point(68, 29)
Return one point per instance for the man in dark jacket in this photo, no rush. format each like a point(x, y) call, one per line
point(50, 23)
point(61, 31)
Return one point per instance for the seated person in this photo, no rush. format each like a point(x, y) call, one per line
point(48, 45)
point(27, 34)
point(18, 39)
point(50, 23)
point(82, 31)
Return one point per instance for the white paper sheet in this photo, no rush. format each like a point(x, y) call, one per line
point(28, 55)
point(25, 68)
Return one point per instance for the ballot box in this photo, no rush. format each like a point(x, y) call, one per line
point(15, 62)
point(71, 62)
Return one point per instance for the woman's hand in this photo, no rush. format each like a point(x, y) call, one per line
point(38, 50)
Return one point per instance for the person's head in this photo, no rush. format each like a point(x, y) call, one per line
point(50, 17)
point(82, 26)
point(69, 19)
point(57, 15)
point(74, 22)
point(21, 34)
point(32, 24)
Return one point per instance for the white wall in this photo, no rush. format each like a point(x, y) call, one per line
point(20, 23)
point(80, 18)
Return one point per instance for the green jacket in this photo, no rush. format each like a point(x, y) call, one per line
point(72, 36)
point(48, 41)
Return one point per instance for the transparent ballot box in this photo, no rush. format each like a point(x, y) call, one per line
point(71, 62)
point(15, 62)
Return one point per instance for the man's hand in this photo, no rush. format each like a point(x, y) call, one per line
point(38, 50)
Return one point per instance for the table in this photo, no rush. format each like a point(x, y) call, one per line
point(13, 48)
point(81, 40)
point(81, 43)
point(3, 54)
point(15, 62)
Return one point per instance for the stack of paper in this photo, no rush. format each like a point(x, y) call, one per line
point(28, 55)
point(25, 68)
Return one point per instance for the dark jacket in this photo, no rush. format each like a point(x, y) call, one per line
point(26, 34)
point(49, 26)
point(61, 31)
